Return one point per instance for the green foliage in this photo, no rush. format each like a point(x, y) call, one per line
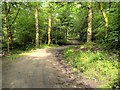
point(99, 65)
point(63, 42)
point(17, 53)
point(112, 41)
point(69, 20)
point(111, 10)
point(46, 46)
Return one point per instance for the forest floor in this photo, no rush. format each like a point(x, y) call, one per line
point(43, 68)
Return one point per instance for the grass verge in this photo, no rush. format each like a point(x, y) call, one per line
point(95, 64)
point(17, 53)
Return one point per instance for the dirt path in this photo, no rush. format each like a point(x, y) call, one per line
point(40, 69)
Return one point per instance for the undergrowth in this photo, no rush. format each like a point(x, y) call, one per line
point(97, 65)
point(46, 46)
point(17, 53)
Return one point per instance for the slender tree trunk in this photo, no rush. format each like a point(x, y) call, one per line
point(49, 29)
point(56, 36)
point(105, 18)
point(8, 25)
point(37, 28)
point(7, 10)
point(8, 36)
point(8, 40)
point(66, 32)
point(89, 30)
point(40, 38)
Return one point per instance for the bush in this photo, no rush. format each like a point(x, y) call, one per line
point(63, 42)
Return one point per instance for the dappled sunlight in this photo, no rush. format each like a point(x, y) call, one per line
point(40, 53)
point(13, 83)
point(44, 42)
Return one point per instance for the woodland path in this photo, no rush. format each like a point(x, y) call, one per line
point(42, 68)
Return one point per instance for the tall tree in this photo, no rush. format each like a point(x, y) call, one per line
point(105, 19)
point(50, 11)
point(7, 8)
point(36, 7)
point(37, 28)
point(89, 30)
point(10, 13)
point(49, 29)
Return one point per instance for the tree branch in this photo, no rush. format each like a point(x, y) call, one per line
point(15, 17)
point(8, 10)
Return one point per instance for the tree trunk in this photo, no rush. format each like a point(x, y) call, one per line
point(8, 36)
point(89, 30)
point(55, 35)
point(7, 10)
point(66, 32)
point(49, 29)
point(8, 25)
point(40, 38)
point(37, 28)
point(105, 18)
